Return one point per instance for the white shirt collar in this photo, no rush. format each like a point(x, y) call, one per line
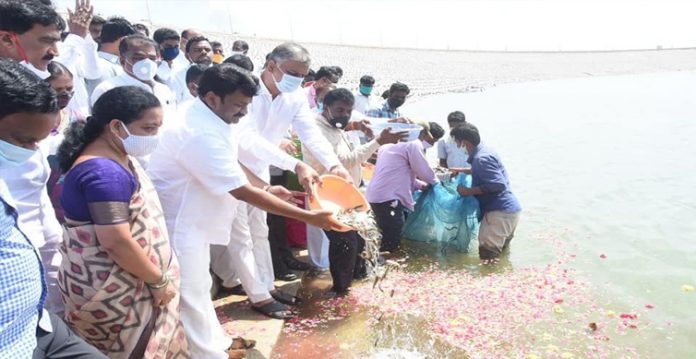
point(201, 109)
point(109, 57)
point(132, 81)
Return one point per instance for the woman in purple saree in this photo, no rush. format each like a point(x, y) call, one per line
point(119, 277)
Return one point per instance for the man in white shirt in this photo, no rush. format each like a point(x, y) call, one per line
point(181, 60)
point(280, 105)
point(138, 57)
point(198, 51)
point(449, 154)
point(364, 100)
point(112, 33)
point(168, 41)
point(200, 184)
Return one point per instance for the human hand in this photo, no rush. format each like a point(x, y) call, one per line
point(341, 171)
point(307, 177)
point(286, 195)
point(386, 136)
point(364, 126)
point(457, 170)
point(401, 120)
point(323, 219)
point(463, 191)
point(289, 147)
point(162, 296)
point(78, 21)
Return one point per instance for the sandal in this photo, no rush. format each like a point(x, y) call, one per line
point(286, 298)
point(241, 343)
point(274, 310)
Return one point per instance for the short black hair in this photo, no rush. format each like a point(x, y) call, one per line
point(194, 40)
point(466, 132)
point(456, 117)
point(124, 103)
point(22, 91)
point(215, 44)
point(399, 87)
point(339, 94)
point(225, 79)
point(385, 94)
point(243, 44)
point(164, 33)
point(97, 20)
point(56, 69)
point(240, 60)
point(142, 28)
point(327, 71)
point(116, 28)
point(436, 130)
point(367, 80)
point(20, 16)
point(194, 73)
point(338, 70)
point(128, 41)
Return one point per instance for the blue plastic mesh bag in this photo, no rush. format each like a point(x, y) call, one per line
point(442, 216)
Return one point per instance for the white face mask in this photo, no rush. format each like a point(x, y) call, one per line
point(145, 70)
point(288, 83)
point(426, 144)
point(13, 155)
point(42, 74)
point(139, 146)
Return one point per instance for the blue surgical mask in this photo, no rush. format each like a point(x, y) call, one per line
point(320, 107)
point(365, 90)
point(14, 155)
point(288, 83)
point(170, 53)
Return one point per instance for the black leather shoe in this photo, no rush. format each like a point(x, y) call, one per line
point(286, 277)
point(294, 264)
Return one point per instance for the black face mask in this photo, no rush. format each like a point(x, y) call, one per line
point(338, 121)
point(394, 104)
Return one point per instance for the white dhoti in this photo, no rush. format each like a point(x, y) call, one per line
point(207, 339)
point(317, 247)
point(248, 255)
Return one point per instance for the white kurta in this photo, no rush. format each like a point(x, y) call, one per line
point(193, 169)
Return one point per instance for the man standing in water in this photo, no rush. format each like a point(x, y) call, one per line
point(491, 186)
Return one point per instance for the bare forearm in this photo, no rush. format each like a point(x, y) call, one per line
point(474, 191)
point(132, 258)
point(269, 202)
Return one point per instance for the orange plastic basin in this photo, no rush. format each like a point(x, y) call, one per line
point(336, 194)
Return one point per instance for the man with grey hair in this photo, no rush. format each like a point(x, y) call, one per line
point(279, 106)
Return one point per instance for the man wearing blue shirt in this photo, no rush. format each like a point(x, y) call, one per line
point(491, 186)
point(28, 113)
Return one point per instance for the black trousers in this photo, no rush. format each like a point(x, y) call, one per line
point(345, 262)
point(277, 235)
point(390, 220)
point(63, 343)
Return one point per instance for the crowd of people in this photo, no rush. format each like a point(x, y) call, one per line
point(134, 165)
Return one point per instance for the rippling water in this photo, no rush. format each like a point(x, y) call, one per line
point(608, 166)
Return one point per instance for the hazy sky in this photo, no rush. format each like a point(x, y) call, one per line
point(514, 25)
